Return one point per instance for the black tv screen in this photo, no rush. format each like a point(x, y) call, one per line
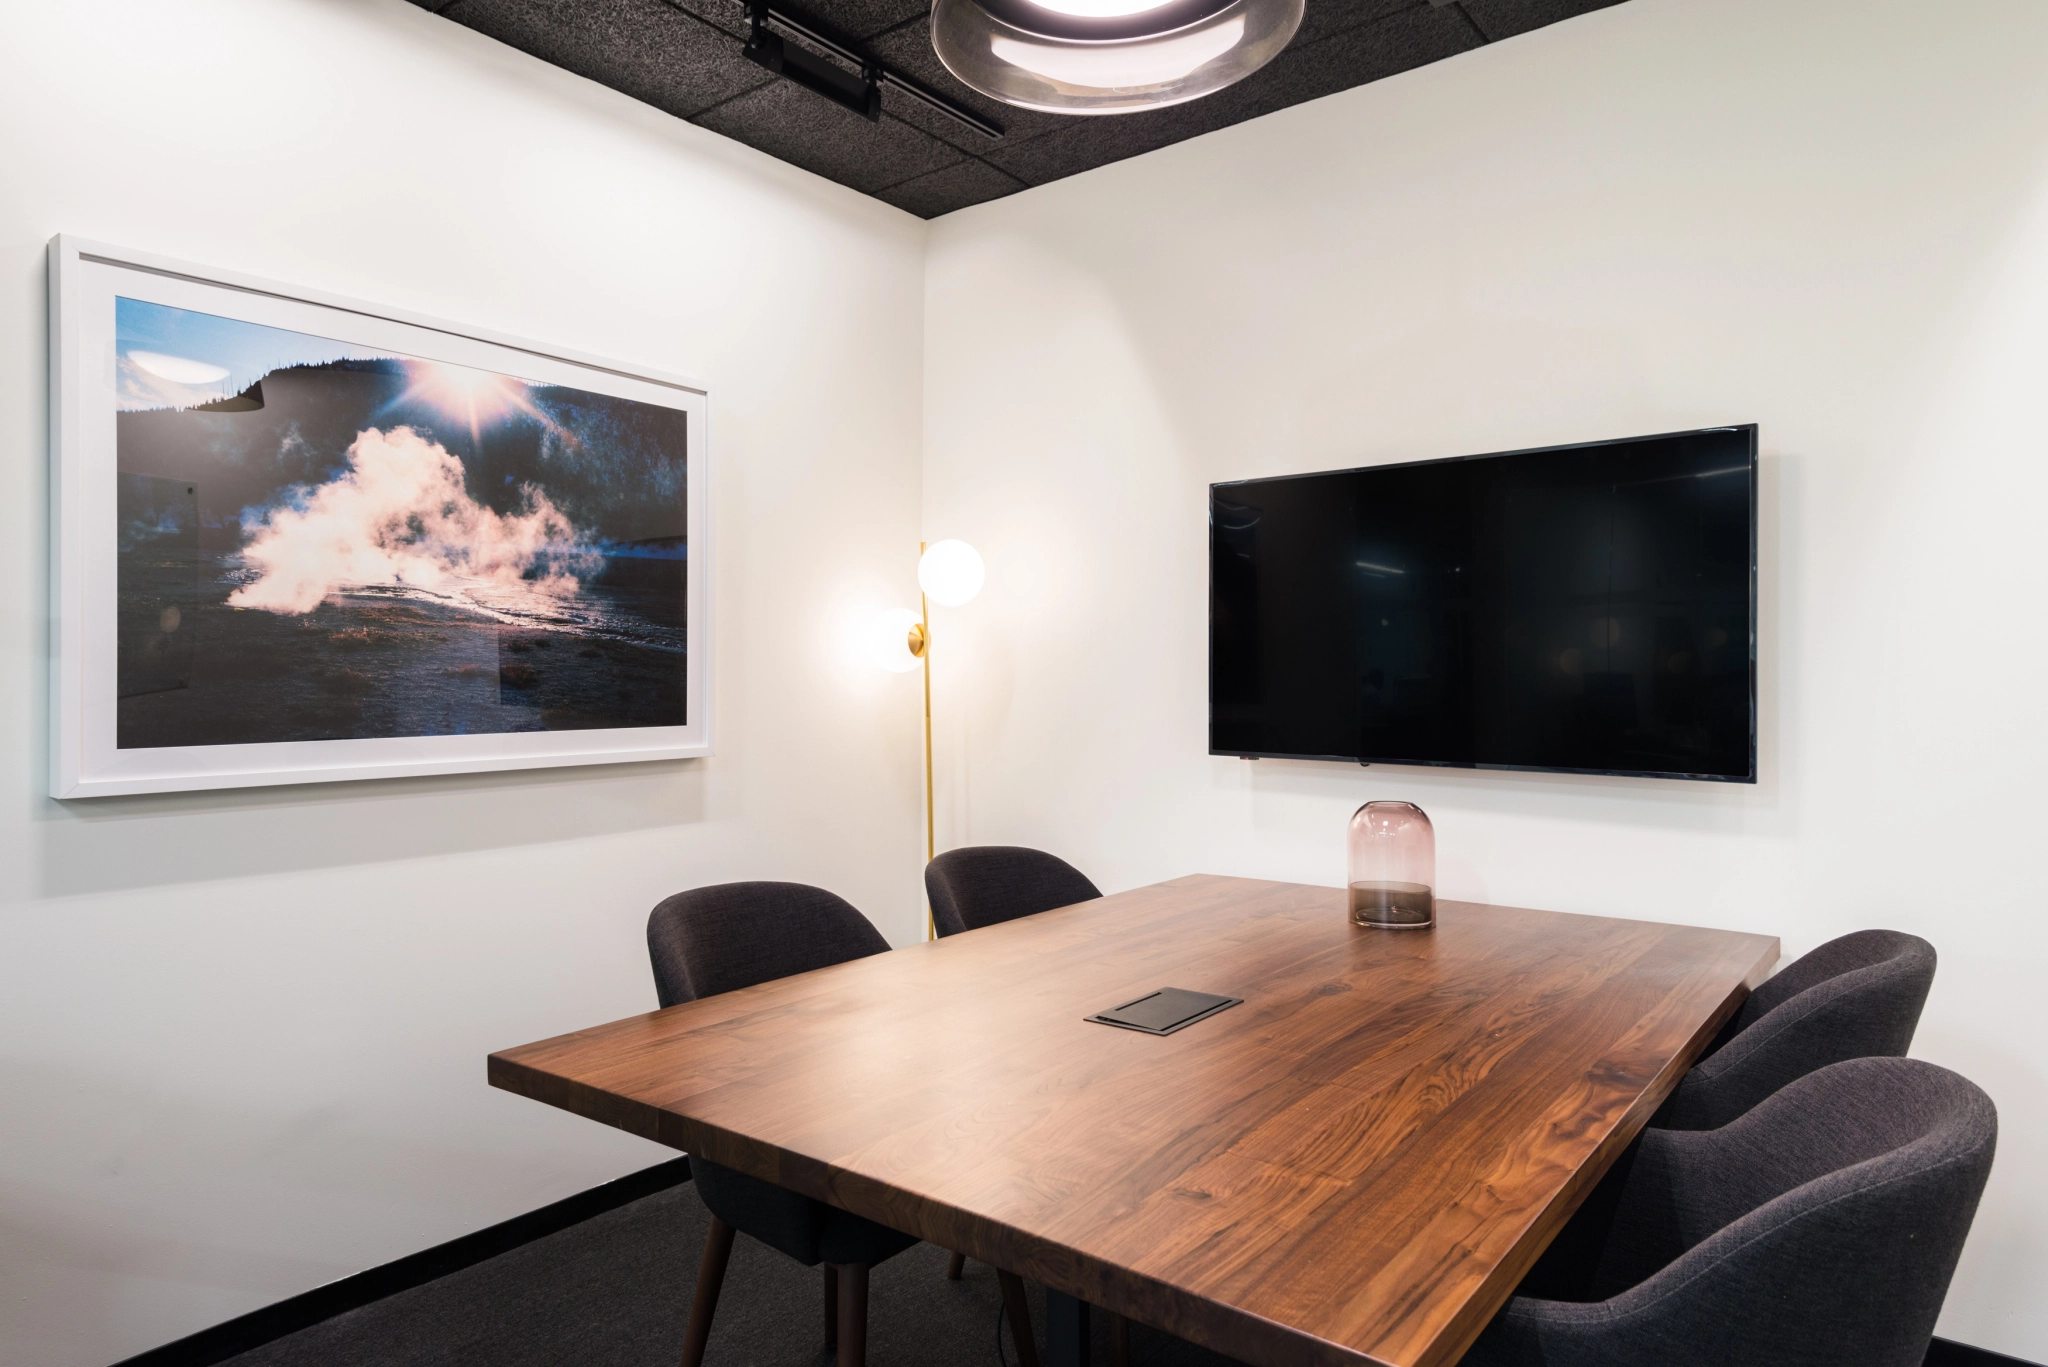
point(1581, 609)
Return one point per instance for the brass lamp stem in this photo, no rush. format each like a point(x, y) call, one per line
point(931, 847)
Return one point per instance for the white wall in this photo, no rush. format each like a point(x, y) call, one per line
point(1826, 216)
point(242, 1036)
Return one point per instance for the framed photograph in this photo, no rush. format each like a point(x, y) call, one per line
point(298, 538)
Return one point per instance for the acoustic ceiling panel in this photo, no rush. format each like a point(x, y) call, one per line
point(787, 121)
point(637, 47)
point(683, 57)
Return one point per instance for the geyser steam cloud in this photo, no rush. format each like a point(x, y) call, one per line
point(399, 515)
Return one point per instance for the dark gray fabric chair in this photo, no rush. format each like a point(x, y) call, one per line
point(1821, 1228)
point(983, 885)
point(720, 939)
point(1855, 997)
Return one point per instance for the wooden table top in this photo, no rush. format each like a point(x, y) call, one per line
point(1357, 1165)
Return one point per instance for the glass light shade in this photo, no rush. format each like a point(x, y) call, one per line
point(1108, 56)
point(950, 572)
point(1393, 867)
point(891, 639)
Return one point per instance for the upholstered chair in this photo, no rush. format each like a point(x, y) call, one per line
point(1819, 1228)
point(1854, 997)
point(720, 939)
point(982, 885)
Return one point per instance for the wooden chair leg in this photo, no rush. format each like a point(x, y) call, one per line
point(956, 1267)
point(710, 1277)
point(1119, 1341)
point(1019, 1312)
point(831, 1306)
point(853, 1315)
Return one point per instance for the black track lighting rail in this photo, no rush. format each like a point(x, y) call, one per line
point(858, 88)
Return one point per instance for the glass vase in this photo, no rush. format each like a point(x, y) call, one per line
point(1393, 867)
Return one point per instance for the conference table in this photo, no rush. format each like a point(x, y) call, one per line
point(1355, 1165)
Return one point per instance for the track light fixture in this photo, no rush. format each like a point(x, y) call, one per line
point(855, 79)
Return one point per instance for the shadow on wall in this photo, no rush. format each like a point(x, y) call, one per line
point(122, 1219)
point(116, 843)
point(1677, 805)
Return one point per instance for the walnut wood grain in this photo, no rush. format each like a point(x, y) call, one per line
point(1355, 1166)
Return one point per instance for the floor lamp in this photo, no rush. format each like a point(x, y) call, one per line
point(949, 573)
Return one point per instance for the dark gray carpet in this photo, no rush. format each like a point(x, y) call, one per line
point(615, 1291)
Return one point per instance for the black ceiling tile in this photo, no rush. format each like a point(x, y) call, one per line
point(1085, 143)
point(806, 129)
point(727, 16)
point(641, 48)
point(1401, 41)
point(954, 187)
point(861, 19)
point(1500, 19)
point(850, 20)
point(974, 143)
point(1409, 38)
point(1321, 18)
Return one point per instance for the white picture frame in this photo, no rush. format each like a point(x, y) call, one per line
point(87, 755)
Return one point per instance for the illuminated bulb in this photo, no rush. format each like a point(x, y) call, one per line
point(950, 573)
point(894, 631)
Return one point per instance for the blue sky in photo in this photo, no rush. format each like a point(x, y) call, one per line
point(247, 351)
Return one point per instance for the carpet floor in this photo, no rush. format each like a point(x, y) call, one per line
point(614, 1291)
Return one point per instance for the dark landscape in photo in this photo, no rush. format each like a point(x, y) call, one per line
point(319, 542)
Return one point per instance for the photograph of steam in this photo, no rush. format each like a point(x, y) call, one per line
point(323, 542)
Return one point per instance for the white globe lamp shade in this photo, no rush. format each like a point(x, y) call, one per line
point(891, 637)
point(950, 573)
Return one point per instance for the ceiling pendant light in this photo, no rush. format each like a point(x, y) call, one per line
point(1108, 56)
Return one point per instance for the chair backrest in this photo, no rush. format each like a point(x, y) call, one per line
point(982, 885)
point(733, 935)
point(1822, 1226)
point(1855, 997)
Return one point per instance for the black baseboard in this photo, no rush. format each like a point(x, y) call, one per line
point(258, 1327)
point(209, 1347)
point(1943, 1353)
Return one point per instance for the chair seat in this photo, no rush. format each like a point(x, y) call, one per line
point(809, 1231)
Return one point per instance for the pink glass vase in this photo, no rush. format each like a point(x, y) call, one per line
point(1393, 867)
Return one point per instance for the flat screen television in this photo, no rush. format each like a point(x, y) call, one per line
point(1575, 609)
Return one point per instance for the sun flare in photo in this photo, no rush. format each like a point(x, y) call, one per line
point(477, 398)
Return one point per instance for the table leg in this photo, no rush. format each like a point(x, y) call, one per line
point(1066, 1330)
